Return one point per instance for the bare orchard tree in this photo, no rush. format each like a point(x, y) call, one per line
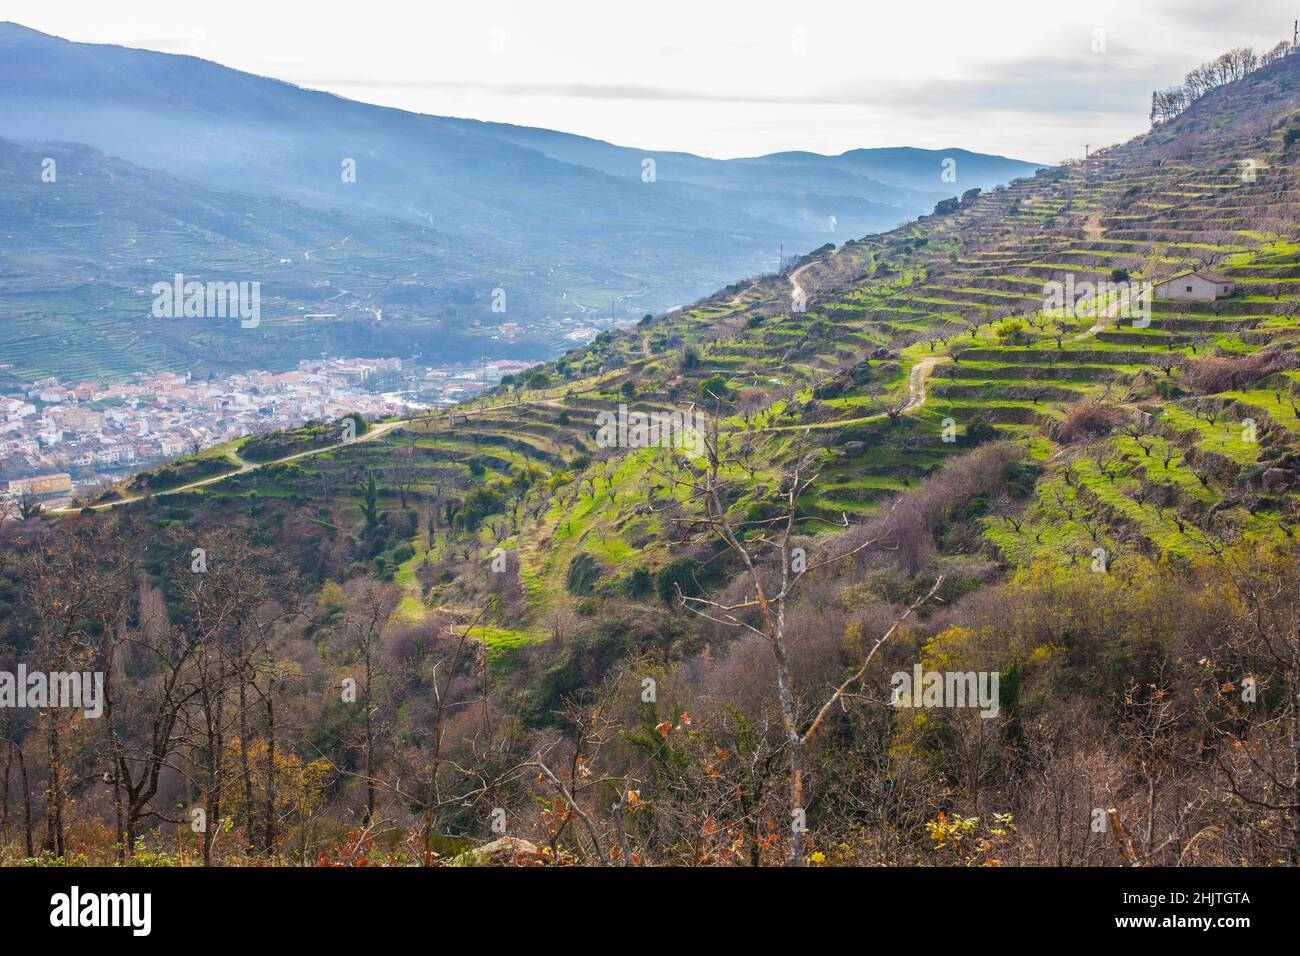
point(63, 585)
point(773, 569)
point(231, 612)
point(357, 636)
point(147, 686)
point(453, 648)
point(403, 476)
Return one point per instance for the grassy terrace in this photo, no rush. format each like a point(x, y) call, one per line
point(951, 306)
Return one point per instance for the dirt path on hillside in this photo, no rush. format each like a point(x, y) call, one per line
point(1103, 322)
point(915, 399)
point(916, 380)
point(245, 467)
point(735, 299)
point(1093, 230)
point(799, 290)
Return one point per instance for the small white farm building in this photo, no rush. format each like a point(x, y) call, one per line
point(1198, 285)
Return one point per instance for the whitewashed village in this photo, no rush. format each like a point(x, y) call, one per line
point(58, 438)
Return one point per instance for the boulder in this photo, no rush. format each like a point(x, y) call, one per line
point(502, 852)
point(1277, 480)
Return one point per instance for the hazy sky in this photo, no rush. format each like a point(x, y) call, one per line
point(1018, 77)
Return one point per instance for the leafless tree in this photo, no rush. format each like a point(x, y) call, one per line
point(370, 605)
point(757, 544)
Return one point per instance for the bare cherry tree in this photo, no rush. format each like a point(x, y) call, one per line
point(773, 567)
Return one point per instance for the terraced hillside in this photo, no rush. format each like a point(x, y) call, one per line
point(1089, 512)
point(884, 358)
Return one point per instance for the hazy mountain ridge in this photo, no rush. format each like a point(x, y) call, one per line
point(74, 292)
point(564, 223)
point(901, 166)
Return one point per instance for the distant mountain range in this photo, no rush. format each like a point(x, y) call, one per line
point(442, 211)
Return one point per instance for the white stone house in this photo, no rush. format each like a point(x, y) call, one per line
point(1198, 285)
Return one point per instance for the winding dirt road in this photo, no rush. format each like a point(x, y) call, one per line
point(916, 380)
point(799, 290)
point(1109, 312)
point(245, 467)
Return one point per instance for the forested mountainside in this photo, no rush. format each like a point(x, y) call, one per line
point(80, 259)
point(533, 631)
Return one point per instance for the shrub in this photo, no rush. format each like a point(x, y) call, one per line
point(1010, 331)
point(1087, 420)
point(715, 386)
point(611, 635)
point(979, 429)
point(1221, 373)
point(584, 572)
point(675, 574)
point(639, 582)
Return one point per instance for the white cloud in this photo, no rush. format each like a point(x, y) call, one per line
point(1011, 76)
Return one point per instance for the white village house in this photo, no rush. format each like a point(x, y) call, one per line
point(1196, 285)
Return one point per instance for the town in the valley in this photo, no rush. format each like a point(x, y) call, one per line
point(60, 438)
